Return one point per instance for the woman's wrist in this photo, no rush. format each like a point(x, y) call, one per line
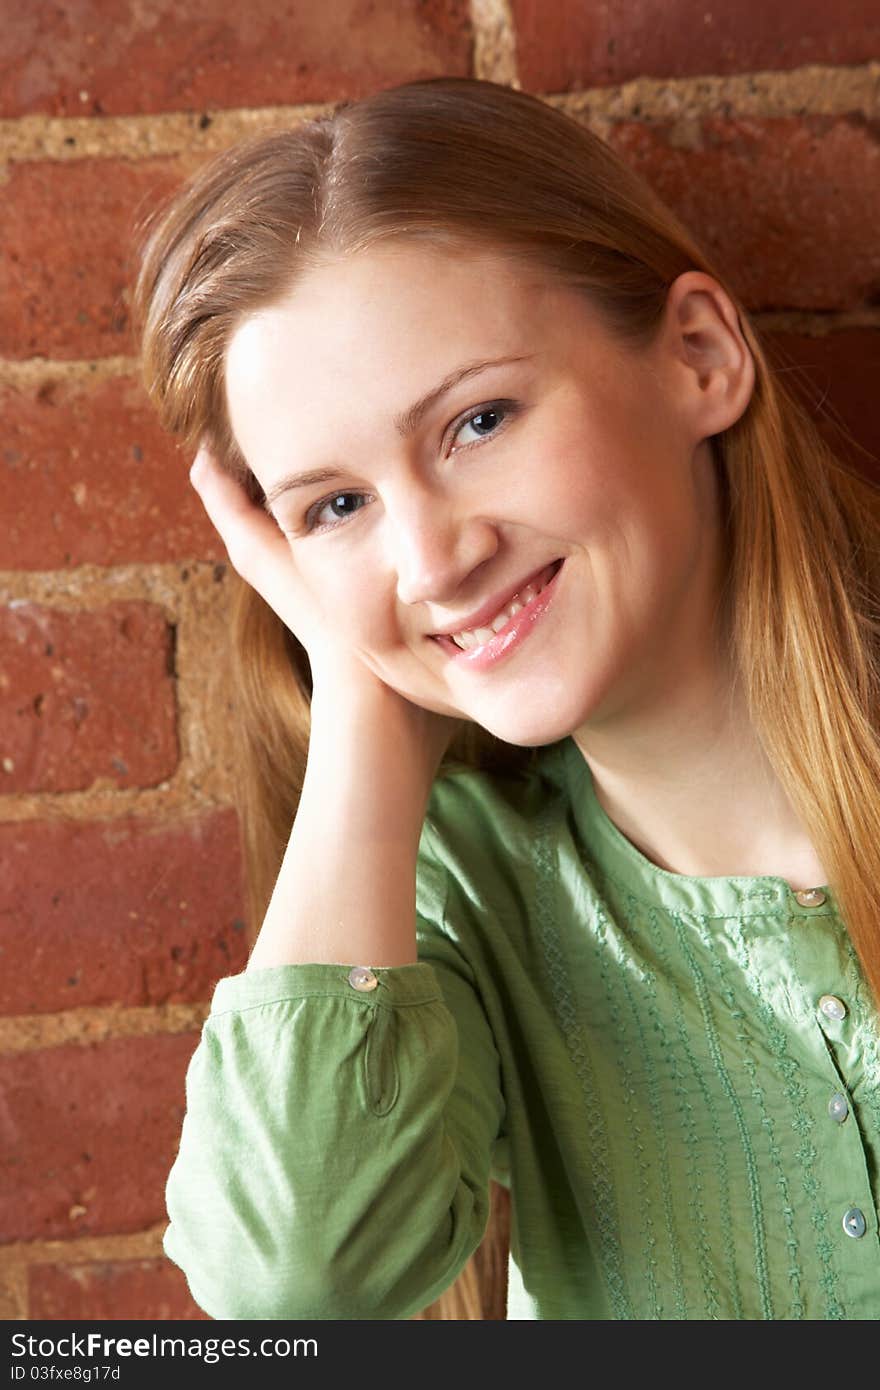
point(362, 730)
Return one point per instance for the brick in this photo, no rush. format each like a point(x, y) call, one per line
point(110, 1290)
point(70, 231)
point(93, 480)
point(787, 208)
point(791, 204)
point(836, 377)
point(94, 57)
point(88, 1135)
point(86, 695)
point(569, 45)
point(130, 911)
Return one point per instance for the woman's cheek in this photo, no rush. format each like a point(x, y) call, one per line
point(350, 615)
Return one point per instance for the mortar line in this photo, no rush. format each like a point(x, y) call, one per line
point(494, 34)
point(31, 372)
point(815, 89)
point(83, 1027)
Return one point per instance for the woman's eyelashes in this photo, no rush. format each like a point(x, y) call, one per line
point(490, 417)
point(498, 410)
point(313, 521)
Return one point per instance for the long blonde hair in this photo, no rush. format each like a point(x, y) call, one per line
point(461, 160)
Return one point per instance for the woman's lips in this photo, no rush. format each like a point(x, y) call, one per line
point(513, 632)
point(484, 616)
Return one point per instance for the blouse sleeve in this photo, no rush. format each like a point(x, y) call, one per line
point(336, 1149)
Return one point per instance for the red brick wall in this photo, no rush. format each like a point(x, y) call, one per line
point(121, 897)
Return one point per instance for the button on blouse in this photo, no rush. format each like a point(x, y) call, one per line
point(362, 978)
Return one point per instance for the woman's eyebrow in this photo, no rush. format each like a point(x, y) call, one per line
point(405, 424)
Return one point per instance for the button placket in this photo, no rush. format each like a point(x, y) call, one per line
point(837, 1017)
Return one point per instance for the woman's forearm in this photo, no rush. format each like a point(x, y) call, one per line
point(346, 889)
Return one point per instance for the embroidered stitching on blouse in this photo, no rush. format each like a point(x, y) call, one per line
point(795, 1272)
point(604, 1211)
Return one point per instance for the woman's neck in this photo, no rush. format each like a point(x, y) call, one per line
point(691, 787)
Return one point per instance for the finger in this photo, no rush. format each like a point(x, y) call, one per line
point(257, 548)
point(224, 498)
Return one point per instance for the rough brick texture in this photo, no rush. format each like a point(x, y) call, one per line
point(110, 1290)
point(109, 57)
point(143, 911)
point(789, 205)
point(836, 377)
point(88, 1135)
point(127, 911)
point(569, 44)
point(70, 232)
point(86, 696)
point(789, 208)
point(88, 477)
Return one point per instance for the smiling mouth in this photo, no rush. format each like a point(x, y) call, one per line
point(469, 638)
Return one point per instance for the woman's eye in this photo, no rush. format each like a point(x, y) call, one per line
point(334, 509)
point(487, 420)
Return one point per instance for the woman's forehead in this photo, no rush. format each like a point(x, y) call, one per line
point(398, 306)
point(401, 274)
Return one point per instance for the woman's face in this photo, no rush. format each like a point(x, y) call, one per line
point(569, 478)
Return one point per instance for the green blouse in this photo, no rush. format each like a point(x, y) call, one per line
point(678, 1079)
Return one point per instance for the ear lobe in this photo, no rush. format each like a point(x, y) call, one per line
point(706, 340)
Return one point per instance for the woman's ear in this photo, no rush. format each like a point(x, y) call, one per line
point(712, 369)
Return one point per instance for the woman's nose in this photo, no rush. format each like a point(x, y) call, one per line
point(435, 551)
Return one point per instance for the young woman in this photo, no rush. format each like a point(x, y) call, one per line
point(556, 649)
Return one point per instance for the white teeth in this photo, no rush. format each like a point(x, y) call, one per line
point(504, 618)
point(477, 636)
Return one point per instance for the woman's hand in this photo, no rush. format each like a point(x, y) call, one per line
point(343, 685)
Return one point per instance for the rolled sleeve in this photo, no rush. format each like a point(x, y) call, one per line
point(335, 1154)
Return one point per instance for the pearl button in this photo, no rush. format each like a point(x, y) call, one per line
point(838, 1108)
point(361, 977)
point(810, 897)
point(854, 1222)
point(832, 1007)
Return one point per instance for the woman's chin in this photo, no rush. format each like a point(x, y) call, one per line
point(532, 733)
